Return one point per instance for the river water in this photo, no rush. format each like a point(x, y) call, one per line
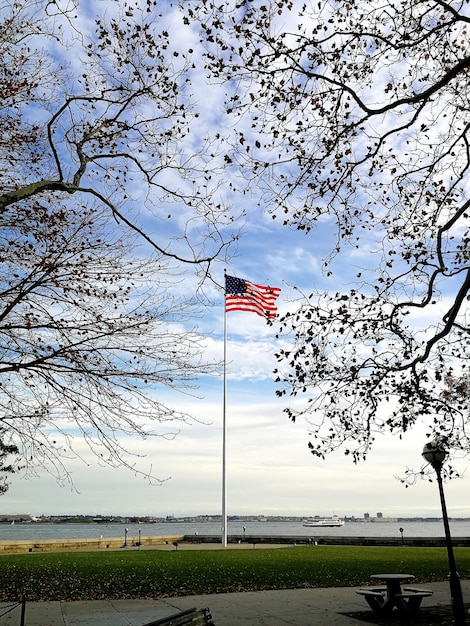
point(37, 531)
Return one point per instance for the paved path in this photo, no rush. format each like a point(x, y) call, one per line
point(296, 607)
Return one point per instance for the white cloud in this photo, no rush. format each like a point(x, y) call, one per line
point(269, 471)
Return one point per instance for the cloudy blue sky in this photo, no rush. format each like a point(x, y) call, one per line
point(269, 467)
point(270, 470)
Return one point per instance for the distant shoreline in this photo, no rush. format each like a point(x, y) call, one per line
point(203, 519)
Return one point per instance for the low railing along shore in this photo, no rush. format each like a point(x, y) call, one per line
point(113, 543)
point(336, 540)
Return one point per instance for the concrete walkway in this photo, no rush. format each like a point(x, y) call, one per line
point(296, 607)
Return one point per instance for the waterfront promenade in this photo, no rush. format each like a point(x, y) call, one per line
point(168, 541)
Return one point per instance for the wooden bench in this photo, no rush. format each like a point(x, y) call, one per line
point(190, 617)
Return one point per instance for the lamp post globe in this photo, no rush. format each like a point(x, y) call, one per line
point(435, 454)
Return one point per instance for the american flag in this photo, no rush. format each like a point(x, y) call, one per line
point(242, 295)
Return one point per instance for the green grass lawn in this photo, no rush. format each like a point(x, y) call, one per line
point(158, 573)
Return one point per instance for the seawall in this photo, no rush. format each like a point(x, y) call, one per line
point(69, 545)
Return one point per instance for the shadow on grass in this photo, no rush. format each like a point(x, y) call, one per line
point(428, 616)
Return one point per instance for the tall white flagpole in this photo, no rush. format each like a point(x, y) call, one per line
point(224, 429)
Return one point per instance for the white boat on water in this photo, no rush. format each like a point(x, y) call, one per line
point(324, 522)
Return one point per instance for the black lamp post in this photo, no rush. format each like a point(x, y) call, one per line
point(435, 454)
